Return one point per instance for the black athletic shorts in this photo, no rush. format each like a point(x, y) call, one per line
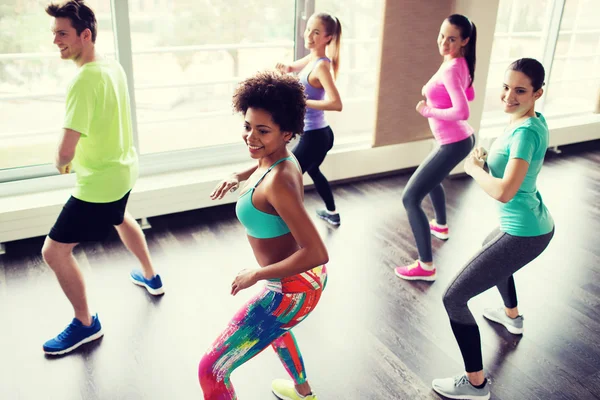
point(81, 221)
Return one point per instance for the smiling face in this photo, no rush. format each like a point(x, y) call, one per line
point(450, 42)
point(315, 35)
point(69, 43)
point(262, 135)
point(518, 95)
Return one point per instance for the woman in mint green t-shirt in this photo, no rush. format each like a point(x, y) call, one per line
point(526, 226)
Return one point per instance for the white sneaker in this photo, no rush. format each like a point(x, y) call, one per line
point(459, 387)
point(513, 325)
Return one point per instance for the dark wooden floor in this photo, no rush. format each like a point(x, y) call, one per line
point(372, 337)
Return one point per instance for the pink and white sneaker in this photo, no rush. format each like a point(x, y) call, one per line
point(439, 231)
point(414, 272)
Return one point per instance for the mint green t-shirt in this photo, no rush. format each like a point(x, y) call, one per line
point(525, 214)
point(105, 162)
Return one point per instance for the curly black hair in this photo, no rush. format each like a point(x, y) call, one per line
point(280, 95)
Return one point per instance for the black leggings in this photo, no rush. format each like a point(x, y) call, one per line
point(427, 180)
point(494, 265)
point(310, 152)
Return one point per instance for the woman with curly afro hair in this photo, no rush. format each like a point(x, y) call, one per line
point(286, 244)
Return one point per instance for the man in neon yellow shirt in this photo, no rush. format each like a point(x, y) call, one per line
point(97, 143)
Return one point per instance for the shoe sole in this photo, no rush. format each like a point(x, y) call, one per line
point(280, 396)
point(154, 292)
point(511, 329)
point(442, 236)
point(464, 397)
point(328, 220)
point(88, 339)
point(416, 278)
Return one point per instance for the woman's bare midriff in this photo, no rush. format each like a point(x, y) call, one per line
point(273, 250)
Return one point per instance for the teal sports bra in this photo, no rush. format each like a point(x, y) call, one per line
point(259, 224)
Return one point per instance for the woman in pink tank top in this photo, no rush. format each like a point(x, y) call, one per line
point(446, 106)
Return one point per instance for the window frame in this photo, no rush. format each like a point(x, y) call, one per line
point(199, 157)
point(549, 35)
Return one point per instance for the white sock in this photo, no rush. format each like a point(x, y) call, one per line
point(440, 225)
point(302, 397)
point(426, 267)
point(331, 212)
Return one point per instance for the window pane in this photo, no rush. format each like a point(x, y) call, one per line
point(572, 97)
point(589, 14)
point(359, 55)
point(503, 18)
point(586, 44)
point(575, 76)
point(524, 37)
point(531, 46)
point(563, 44)
point(580, 14)
point(500, 50)
point(188, 58)
point(530, 16)
point(33, 80)
point(569, 15)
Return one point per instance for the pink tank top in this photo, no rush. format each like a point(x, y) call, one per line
point(448, 93)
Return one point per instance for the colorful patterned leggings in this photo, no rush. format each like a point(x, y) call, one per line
point(265, 320)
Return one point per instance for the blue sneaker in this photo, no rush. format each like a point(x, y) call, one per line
point(154, 286)
point(74, 335)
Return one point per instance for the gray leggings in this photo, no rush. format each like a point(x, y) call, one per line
point(427, 180)
point(494, 265)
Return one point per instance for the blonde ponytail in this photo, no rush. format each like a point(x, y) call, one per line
point(335, 57)
point(333, 28)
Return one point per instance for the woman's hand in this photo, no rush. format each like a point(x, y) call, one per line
point(421, 105)
point(480, 153)
point(284, 69)
point(229, 184)
point(243, 280)
point(472, 162)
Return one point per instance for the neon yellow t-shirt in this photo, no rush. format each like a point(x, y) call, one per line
point(105, 162)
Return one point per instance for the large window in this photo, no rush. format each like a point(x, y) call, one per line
point(185, 58)
point(562, 34)
point(575, 77)
point(520, 28)
point(188, 55)
point(33, 80)
point(358, 75)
